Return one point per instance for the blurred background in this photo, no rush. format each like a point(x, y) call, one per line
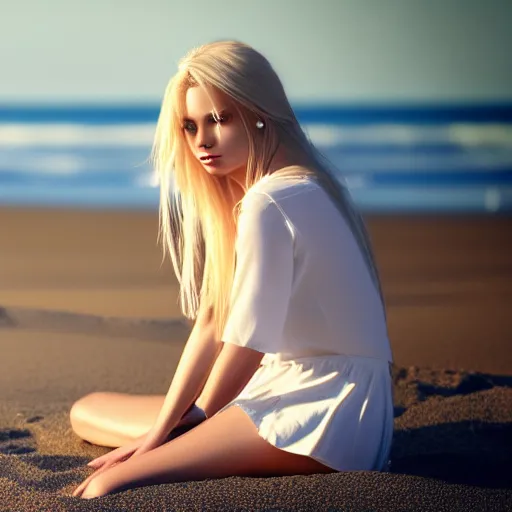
point(411, 99)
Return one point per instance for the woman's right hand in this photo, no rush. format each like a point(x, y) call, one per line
point(118, 455)
point(193, 417)
point(110, 459)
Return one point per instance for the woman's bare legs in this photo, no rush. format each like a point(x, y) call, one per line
point(114, 419)
point(228, 444)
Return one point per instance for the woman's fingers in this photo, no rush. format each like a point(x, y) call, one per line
point(110, 459)
point(99, 461)
point(118, 454)
point(78, 491)
point(114, 456)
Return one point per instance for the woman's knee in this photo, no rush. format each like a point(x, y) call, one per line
point(82, 409)
point(85, 423)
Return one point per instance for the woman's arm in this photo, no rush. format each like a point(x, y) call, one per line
point(196, 362)
point(233, 369)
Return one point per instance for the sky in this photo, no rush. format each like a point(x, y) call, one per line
point(325, 51)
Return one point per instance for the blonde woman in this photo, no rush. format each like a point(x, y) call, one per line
point(287, 368)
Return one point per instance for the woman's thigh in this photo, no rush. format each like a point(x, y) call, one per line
point(225, 445)
point(114, 419)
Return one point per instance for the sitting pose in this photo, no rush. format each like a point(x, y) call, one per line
point(287, 367)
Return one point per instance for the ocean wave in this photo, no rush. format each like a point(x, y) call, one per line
point(75, 134)
point(410, 162)
point(323, 135)
point(68, 161)
point(456, 134)
point(390, 166)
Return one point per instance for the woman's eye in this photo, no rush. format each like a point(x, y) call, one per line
point(188, 127)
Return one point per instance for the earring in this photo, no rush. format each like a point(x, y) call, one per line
point(260, 124)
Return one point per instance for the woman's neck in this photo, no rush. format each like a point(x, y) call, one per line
point(282, 159)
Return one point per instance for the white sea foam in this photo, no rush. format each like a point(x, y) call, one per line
point(478, 160)
point(147, 180)
point(58, 165)
point(460, 134)
point(323, 135)
point(67, 163)
point(53, 134)
point(73, 149)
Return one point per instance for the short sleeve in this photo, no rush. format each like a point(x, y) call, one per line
point(263, 277)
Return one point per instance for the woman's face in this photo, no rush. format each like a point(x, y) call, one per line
point(201, 130)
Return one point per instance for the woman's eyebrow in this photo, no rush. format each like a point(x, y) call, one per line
point(221, 112)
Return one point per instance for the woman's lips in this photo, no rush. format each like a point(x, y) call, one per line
point(210, 160)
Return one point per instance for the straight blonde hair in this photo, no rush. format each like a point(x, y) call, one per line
point(198, 212)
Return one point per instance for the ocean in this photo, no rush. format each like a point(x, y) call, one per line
point(427, 158)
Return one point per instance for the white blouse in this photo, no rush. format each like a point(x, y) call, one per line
point(301, 286)
point(303, 295)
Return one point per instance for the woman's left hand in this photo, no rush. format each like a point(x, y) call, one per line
point(92, 486)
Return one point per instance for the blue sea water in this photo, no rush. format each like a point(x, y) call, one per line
point(444, 158)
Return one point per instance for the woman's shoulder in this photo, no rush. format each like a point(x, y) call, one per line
point(279, 187)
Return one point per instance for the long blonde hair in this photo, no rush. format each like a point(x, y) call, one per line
point(197, 211)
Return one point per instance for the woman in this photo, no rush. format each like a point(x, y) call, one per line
point(287, 368)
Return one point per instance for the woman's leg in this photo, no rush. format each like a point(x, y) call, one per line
point(228, 444)
point(114, 419)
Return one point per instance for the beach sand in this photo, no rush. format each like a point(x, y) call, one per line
point(85, 305)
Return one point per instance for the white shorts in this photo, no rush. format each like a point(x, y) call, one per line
point(337, 409)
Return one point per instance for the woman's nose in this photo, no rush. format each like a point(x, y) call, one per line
point(205, 139)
